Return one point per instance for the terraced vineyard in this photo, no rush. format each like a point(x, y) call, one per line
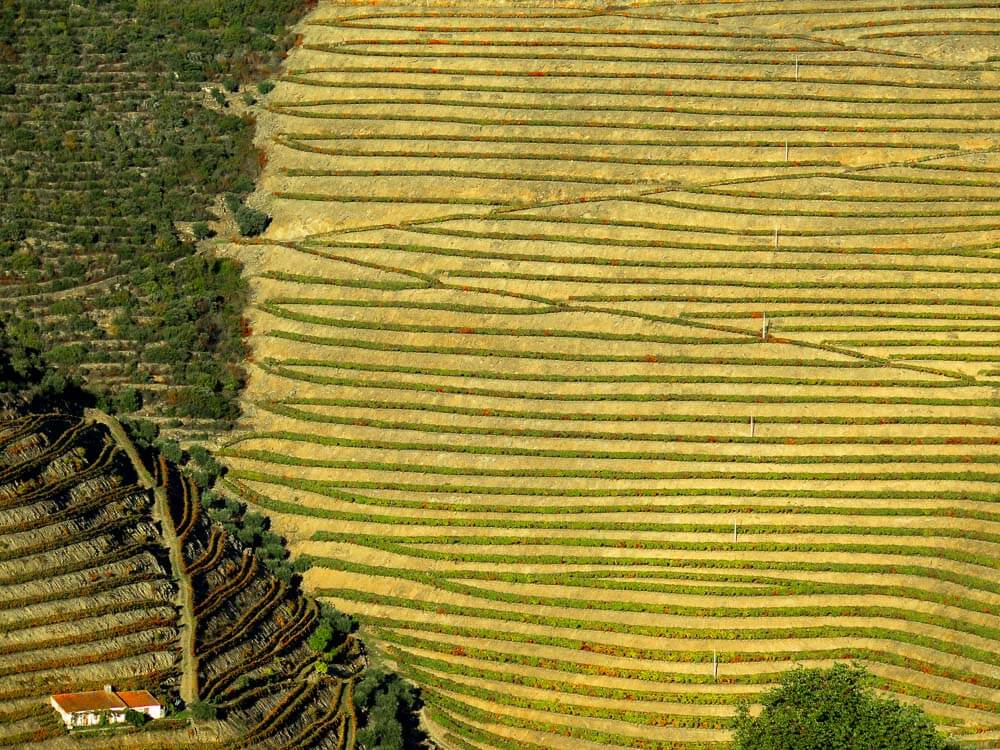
point(110, 574)
point(610, 361)
point(86, 595)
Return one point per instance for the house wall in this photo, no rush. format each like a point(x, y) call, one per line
point(93, 718)
point(153, 712)
point(67, 718)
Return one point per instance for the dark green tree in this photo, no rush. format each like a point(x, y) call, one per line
point(203, 711)
point(834, 709)
point(250, 221)
point(388, 706)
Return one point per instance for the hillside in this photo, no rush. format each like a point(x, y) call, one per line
point(609, 361)
point(112, 573)
point(113, 155)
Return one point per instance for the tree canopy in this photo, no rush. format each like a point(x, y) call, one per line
point(834, 709)
point(387, 708)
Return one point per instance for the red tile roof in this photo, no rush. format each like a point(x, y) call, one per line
point(94, 700)
point(138, 698)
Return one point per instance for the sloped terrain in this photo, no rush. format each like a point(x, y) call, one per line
point(250, 646)
point(89, 596)
point(610, 361)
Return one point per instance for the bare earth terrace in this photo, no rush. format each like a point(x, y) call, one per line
point(612, 360)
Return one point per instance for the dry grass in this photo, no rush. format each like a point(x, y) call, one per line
point(508, 345)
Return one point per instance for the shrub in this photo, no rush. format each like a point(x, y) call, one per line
point(388, 706)
point(202, 231)
point(334, 626)
point(204, 711)
point(815, 709)
point(142, 431)
point(250, 221)
point(135, 718)
point(128, 400)
point(171, 450)
point(265, 87)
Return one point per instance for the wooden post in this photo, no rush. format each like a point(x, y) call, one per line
point(734, 532)
point(796, 68)
point(786, 150)
point(752, 426)
point(763, 328)
point(715, 665)
point(775, 238)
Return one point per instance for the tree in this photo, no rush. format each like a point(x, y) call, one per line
point(201, 230)
point(834, 709)
point(334, 626)
point(135, 718)
point(250, 221)
point(128, 400)
point(203, 711)
point(388, 706)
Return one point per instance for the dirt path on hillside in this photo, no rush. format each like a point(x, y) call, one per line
point(185, 593)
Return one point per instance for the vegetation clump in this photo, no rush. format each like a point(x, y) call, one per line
point(250, 221)
point(386, 706)
point(834, 709)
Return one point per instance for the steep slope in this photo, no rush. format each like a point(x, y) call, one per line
point(87, 597)
point(112, 574)
point(612, 360)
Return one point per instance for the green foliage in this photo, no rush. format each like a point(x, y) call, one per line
point(171, 450)
point(239, 39)
point(86, 132)
point(834, 709)
point(334, 626)
point(204, 711)
point(135, 718)
point(265, 87)
point(127, 400)
point(387, 705)
point(21, 361)
point(142, 431)
point(201, 231)
point(204, 468)
point(24, 366)
point(250, 221)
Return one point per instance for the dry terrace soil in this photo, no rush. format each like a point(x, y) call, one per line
point(111, 573)
point(612, 360)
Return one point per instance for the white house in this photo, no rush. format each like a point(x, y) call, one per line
point(87, 709)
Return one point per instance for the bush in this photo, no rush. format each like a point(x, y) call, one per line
point(203, 711)
point(388, 706)
point(815, 709)
point(334, 626)
point(265, 87)
point(171, 450)
point(250, 221)
point(201, 231)
point(142, 431)
point(128, 400)
point(135, 718)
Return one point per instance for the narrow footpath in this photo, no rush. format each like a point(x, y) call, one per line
point(185, 593)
